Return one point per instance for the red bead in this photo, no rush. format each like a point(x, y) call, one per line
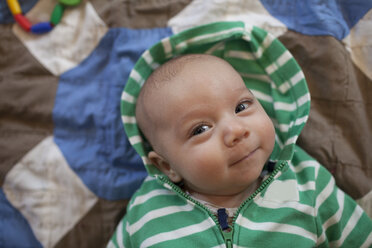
point(23, 22)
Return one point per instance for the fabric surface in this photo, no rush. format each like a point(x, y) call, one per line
point(340, 102)
point(298, 203)
point(66, 85)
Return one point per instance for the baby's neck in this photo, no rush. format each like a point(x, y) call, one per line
point(226, 201)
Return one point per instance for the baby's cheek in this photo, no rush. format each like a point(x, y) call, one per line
point(271, 135)
point(208, 163)
point(268, 132)
point(207, 158)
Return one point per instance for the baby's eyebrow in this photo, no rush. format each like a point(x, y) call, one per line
point(244, 88)
point(193, 112)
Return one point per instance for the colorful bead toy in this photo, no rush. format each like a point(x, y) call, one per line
point(42, 27)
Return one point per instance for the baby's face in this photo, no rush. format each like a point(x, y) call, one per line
point(211, 130)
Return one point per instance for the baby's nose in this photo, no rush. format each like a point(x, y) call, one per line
point(234, 132)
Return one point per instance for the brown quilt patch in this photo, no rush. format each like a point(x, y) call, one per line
point(138, 13)
point(339, 130)
point(27, 93)
point(98, 224)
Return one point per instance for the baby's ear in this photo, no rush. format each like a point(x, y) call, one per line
point(164, 167)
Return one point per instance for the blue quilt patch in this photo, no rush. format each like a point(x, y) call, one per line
point(316, 17)
point(88, 127)
point(14, 228)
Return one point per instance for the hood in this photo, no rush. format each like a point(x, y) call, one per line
point(266, 66)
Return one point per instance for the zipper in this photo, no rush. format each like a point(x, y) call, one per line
point(188, 197)
point(261, 188)
point(227, 231)
point(228, 235)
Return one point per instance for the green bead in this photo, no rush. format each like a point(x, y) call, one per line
point(57, 14)
point(69, 2)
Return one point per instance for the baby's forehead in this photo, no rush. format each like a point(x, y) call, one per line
point(172, 68)
point(185, 69)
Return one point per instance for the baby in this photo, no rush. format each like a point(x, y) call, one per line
point(207, 129)
point(212, 142)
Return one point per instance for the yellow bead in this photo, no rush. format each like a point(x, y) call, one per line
point(14, 7)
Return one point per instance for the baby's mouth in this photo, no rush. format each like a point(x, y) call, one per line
point(244, 157)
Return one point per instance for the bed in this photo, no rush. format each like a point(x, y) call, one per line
point(67, 170)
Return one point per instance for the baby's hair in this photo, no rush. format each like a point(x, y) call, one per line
point(169, 70)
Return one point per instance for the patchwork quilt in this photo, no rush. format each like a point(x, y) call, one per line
point(67, 169)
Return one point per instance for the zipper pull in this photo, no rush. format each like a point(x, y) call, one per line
point(222, 218)
point(227, 231)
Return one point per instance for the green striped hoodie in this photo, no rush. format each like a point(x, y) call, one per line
point(297, 205)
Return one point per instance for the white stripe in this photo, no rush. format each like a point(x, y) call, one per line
point(368, 242)
point(357, 214)
point(277, 227)
point(292, 82)
point(326, 192)
point(261, 77)
point(149, 60)
point(285, 127)
point(305, 164)
point(265, 44)
point(178, 233)
point(303, 99)
point(157, 213)
point(291, 140)
point(271, 68)
point(119, 235)
point(128, 98)
point(135, 139)
point(207, 36)
point(337, 216)
point(240, 55)
point(111, 245)
point(292, 106)
point(222, 246)
point(137, 77)
point(285, 106)
point(167, 47)
point(284, 58)
point(216, 47)
point(261, 96)
point(301, 120)
point(278, 141)
point(297, 78)
point(306, 209)
point(284, 87)
point(128, 119)
point(306, 186)
point(143, 198)
point(145, 160)
point(317, 171)
point(149, 179)
point(247, 33)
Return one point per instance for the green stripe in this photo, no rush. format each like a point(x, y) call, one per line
point(361, 234)
point(277, 239)
point(246, 66)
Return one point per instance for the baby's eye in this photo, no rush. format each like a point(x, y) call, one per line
point(199, 129)
point(241, 106)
